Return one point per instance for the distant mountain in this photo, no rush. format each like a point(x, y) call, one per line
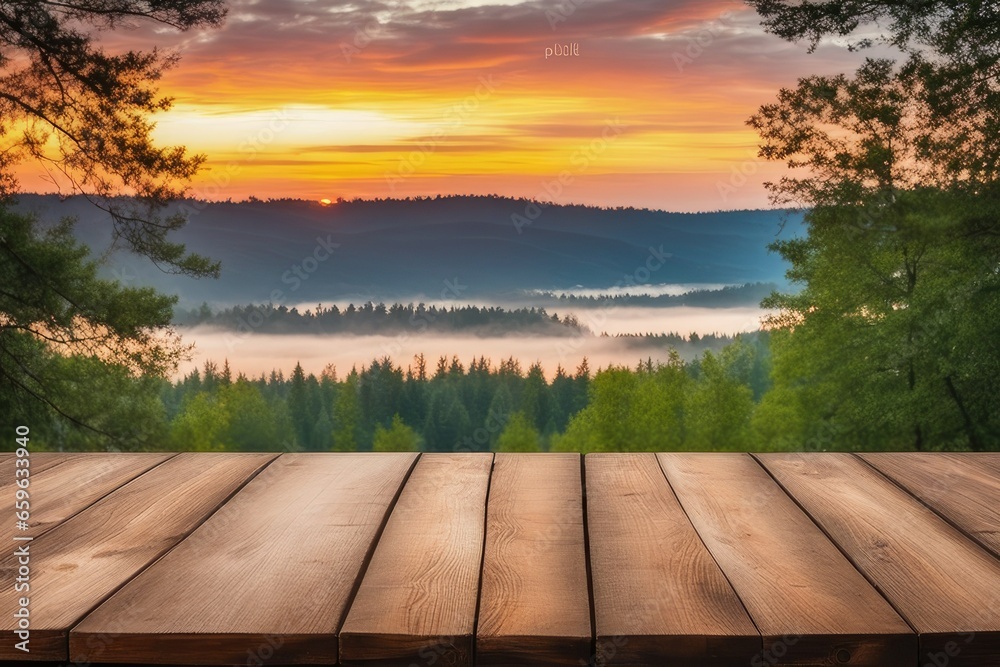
point(462, 247)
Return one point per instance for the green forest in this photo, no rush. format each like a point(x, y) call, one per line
point(889, 339)
point(450, 406)
point(723, 401)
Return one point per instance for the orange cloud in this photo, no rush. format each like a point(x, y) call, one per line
point(371, 98)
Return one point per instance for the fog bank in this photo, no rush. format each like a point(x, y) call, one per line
point(256, 353)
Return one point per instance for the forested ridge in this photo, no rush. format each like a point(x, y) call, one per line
point(372, 317)
point(723, 297)
point(377, 318)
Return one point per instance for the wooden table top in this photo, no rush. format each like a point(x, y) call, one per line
point(691, 559)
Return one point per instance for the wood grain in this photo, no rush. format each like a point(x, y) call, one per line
point(535, 603)
point(269, 575)
point(417, 601)
point(78, 563)
point(962, 487)
point(945, 585)
point(73, 482)
point(809, 603)
point(39, 462)
point(659, 598)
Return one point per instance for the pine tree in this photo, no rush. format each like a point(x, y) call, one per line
point(447, 425)
point(535, 400)
point(298, 408)
point(321, 438)
point(347, 416)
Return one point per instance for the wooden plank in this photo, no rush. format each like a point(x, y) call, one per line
point(77, 564)
point(57, 492)
point(38, 462)
point(267, 578)
point(962, 487)
point(945, 585)
point(659, 598)
point(417, 601)
point(535, 603)
point(809, 603)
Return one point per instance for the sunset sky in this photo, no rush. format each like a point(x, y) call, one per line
point(388, 98)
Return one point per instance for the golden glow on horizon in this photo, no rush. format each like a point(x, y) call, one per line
point(472, 107)
point(270, 130)
point(442, 141)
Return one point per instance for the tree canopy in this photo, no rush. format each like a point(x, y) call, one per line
point(84, 113)
point(944, 94)
point(892, 339)
point(950, 27)
point(73, 344)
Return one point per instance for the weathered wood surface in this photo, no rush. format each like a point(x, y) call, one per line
point(418, 599)
point(809, 603)
point(946, 586)
point(62, 485)
point(659, 598)
point(269, 575)
point(471, 559)
point(963, 488)
point(80, 562)
point(535, 604)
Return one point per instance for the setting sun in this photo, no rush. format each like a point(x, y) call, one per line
point(418, 101)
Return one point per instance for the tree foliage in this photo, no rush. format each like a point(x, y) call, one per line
point(66, 334)
point(85, 113)
point(707, 405)
point(953, 28)
point(347, 416)
point(235, 417)
point(397, 438)
point(892, 340)
point(519, 435)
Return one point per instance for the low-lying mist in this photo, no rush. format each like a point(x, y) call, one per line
point(256, 353)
